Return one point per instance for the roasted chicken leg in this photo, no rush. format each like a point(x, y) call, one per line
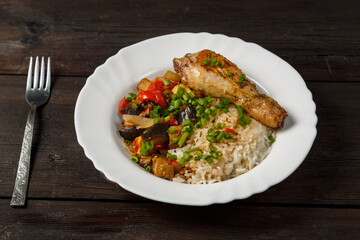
point(219, 77)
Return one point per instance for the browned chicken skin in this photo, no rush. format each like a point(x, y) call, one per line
point(220, 81)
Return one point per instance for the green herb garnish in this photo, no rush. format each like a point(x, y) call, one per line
point(271, 138)
point(146, 147)
point(167, 82)
point(243, 119)
point(222, 64)
point(135, 159)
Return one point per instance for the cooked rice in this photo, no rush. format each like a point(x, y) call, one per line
point(250, 146)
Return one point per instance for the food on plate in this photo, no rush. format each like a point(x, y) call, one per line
point(199, 125)
point(219, 77)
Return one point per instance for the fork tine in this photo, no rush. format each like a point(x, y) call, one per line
point(42, 73)
point(36, 73)
point(48, 74)
point(29, 77)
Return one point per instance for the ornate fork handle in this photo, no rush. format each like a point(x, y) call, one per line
point(22, 175)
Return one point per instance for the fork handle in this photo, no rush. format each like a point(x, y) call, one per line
point(22, 175)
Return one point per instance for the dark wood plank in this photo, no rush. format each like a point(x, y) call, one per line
point(319, 38)
point(329, 175)
point(116, 220)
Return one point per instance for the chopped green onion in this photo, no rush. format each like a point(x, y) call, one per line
point(133, 95)
point(172, 130)
point(167, 82)
point(145, 132)
point(229, 74)
point(146, 147)
point(242, 77)
point(148, 168)
point(240, 111)
point(172, 156)
point(241, 80)
point(177, 103)
point(184, 158)
point(174, 96)
point(208, 99)
point(180, 91)
point(210, 138)
point(167, 118)
point(156, 120)
point(183, 138)
point(202, 101)
point(187, 122)
point(213, 62)
point(271, 138)
point(198, 156)
point(212, 148)
point(210, 54)
point(203, 121)
point(222, 64)
point(135, 159)
point(206, 62)
point(200, 89)
point(174, 140)
point(191, 94)
point(220, 136)
point(243, 119)
point(135, 106)
point(129, 99)
point(192, 150)
point(246, 120)
point(229, 136)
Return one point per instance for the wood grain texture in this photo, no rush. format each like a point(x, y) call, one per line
point(117, 220)
point(319, 38)
point(61, 170)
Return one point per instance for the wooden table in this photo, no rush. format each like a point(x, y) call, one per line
point(69, 199)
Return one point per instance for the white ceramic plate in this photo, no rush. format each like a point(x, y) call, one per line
point(96, 117)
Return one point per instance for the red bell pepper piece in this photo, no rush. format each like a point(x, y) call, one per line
point(173, 162)
point(229, 130)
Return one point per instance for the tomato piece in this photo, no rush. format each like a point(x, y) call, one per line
point(229, 130)
point(146, 95)
point(123, 103)
point(136, 143)
point(155, 96)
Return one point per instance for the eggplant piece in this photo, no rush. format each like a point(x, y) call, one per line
point(130, 133)
point(188, 113)
point(162, 168)
point(128, 109)
point(157, 134)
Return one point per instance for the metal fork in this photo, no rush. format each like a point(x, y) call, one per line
point(37, 93)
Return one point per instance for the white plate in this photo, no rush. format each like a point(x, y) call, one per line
point(96, 117)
